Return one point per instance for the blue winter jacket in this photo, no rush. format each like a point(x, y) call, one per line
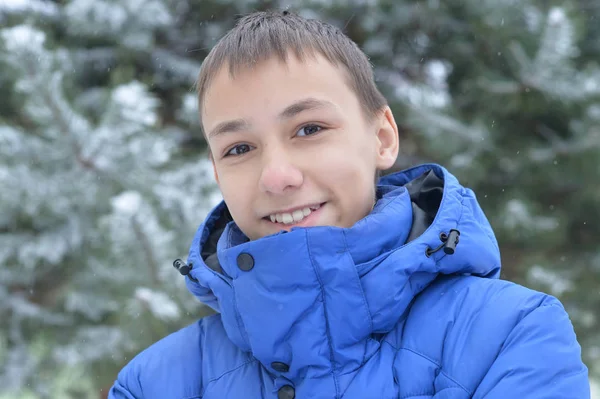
point(405, 304)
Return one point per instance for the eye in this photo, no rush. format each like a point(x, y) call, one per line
point(238, 150)
point(309, 130)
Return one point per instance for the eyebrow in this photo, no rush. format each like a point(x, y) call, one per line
point(235, 125)
point(307, 104)
point(304, 105)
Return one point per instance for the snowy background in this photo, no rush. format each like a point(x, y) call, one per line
point(104, 176)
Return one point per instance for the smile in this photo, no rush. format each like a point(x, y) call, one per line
point(294, 216)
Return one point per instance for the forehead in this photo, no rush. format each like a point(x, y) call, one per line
point(265, 88)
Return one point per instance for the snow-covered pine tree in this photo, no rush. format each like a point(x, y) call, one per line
point(96, 194)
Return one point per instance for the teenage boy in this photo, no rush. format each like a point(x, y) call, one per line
point(326, 284)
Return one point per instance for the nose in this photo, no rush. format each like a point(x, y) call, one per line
point(279, 175)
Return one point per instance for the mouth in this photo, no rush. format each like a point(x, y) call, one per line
point(298, 217)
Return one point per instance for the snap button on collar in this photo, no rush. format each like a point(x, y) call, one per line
point(281, 367)
point(245, 262)
point(286, 392)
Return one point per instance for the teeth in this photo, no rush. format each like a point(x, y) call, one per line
point(298, 215)
point(287, 218)
point(294, 217)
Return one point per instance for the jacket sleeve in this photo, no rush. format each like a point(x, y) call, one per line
point(169, 368)
point(127, 385)
point(118, 391)
point(540, 359)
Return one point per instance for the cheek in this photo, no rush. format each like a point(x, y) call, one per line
point(235, 189)
point(346, 164)
point(348, 177)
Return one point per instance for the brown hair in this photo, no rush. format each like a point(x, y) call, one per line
point(261, 35)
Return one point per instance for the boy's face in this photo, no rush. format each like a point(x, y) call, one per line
point(291, 146)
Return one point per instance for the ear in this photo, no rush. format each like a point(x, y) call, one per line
point(387, 140)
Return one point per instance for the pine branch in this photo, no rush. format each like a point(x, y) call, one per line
point(65, 126)
point(86, 163)
point(560, 147)
point(148, 252)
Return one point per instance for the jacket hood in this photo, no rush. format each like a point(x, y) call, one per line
point(315, 299)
